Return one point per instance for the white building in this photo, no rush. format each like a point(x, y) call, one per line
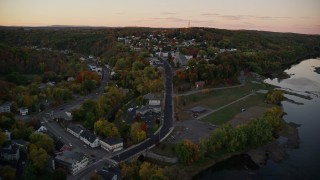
point(10, 153)
point(74, 130)
point(154, 102)
point(42, 129)
point(111, 144)
point(5, 107)
point(90, 139)
point(72, 161)
point(23, 111)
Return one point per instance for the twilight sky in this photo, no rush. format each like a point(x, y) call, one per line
point(301, 16)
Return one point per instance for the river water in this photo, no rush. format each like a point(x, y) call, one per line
point(302, 162)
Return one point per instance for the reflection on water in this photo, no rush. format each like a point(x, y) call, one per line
point(302, 163)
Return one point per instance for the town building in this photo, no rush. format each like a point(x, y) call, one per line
point(112, 144)
point(42, 129)
point(107, 175)
point(5, 107)
point(74, 130)
point(72, 161)
point(10, 153)
point(90, 139)
point(23, 111)
point(154, 102)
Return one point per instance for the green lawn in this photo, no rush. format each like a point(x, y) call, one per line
point(229, 112)
point(217, 98)
point(165, 148)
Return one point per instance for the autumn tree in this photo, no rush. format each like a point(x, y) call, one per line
point(107, 129)
point(187, 152)
point(42, 141)
point(130, 170)
point(149, 171)
point(8, 173)
point(37, 156)
point(137, 133)
point(21, 130)
point(275, 97)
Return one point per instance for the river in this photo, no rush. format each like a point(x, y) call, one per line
point(302, 162)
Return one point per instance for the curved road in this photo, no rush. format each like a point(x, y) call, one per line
point(166, 125)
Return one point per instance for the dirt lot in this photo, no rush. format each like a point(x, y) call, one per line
point(246, 116)
point(192, 129)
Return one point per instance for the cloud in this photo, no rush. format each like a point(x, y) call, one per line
point(168, 13)
point(240, 16)
point(210, 14)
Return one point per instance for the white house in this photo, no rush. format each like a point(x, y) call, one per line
point(10, 153)
point(143, 110)
point(5, 107)
point(42, 129)
point(154, 102)
point(92, 67)
point(89, 138)
point(72, 161)
point(23, 111)
point(111, 144)
point(74, 130)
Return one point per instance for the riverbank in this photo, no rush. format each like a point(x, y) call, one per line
point(317, 70)
point(276, 151)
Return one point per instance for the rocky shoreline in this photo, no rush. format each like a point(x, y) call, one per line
point(277, 150)
point(317, 70)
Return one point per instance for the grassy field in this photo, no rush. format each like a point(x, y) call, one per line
point(165, 148)
point(213, 99)
point(229, 112)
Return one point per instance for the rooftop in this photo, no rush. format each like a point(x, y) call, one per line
point(112, 141)
point(151, 96)
point(88, 135)
point(70, 157)
point(75, 128)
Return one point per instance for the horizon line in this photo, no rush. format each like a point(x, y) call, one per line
point(95, 26)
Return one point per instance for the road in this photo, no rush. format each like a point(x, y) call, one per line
point(167, 120)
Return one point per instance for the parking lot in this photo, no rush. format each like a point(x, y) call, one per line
point(192, 129)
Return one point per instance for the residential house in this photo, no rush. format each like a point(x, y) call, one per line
point(72, 161)
point(41, 129)
point(60, 146)
point(10, 153)
point(89, 138)
point(107, 175)
point(69, 79)
point(180, 60)
point(199, 84)
point(112, 144)
point(154, 102)
point(143, 110)
point(156, 62)
point(23, 111)
point(20, 143)
point(5, 107)
point(92, 67)
point(74, 130)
